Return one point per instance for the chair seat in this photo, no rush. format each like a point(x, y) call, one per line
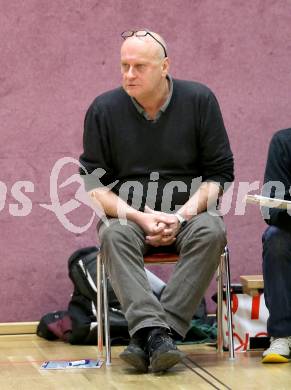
point(161, 258)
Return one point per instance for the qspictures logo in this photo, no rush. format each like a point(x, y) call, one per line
point(63, 209)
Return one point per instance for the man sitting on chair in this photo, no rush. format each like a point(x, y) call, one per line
point(277, 249)
point(163, 145)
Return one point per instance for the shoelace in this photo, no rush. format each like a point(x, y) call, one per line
point(158, 339)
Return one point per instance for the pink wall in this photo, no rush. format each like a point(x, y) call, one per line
point(57, 56)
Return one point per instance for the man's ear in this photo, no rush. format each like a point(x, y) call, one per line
point(165, 67)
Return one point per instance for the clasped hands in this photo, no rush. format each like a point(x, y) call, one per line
point(160, 228)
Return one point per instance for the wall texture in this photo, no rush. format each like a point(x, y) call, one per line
point(57, 56)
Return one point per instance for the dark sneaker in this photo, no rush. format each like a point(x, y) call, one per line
point(135, 354)
point(162, 351)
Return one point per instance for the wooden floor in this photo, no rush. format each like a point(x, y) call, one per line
point(22, 355)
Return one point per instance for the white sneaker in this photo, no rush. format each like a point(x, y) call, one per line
point(279, 350)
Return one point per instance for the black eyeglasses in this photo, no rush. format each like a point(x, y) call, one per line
point(142, 33)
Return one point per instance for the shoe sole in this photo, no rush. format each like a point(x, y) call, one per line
point(166, 360)
point(275, 358)
point(134, 360)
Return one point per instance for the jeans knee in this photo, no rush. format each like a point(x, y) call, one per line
point(214, 229)
point(208, 229)
point(275, 242)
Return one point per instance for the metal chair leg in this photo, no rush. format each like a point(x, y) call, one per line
point(224, 268)
point(106, 317)
point(99, 308)
point(228, 304)
point(219, 305)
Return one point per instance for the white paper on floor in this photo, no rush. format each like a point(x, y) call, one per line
point(70, 364)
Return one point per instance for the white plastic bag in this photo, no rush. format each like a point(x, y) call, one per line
point(249, 320)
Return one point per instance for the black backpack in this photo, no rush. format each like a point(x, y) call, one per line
point(78, 324)
point(82, 271)
point(82, 307)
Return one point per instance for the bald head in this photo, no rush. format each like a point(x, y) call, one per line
point(153, 44)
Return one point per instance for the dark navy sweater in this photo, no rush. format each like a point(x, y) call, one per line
point(188, 141)
point(278, 169)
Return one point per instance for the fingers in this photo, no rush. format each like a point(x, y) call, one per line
point(157, 223)
point(162, 234)
point(167, 219)
point(159, 228)
point(160, 216)
point(168, 240)
point(158, 243)
point(168, 232)
point(160, 239)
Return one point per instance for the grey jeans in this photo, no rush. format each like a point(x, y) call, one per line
point(199, 244)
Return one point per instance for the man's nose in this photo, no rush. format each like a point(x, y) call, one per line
point(131, 72)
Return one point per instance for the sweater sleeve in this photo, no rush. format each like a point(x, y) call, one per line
point(216, 157)
point(277, 180)
point(95, 161)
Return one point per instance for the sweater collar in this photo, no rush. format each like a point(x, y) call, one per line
point(141, 110)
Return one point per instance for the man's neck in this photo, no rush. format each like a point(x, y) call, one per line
point(152, 104)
